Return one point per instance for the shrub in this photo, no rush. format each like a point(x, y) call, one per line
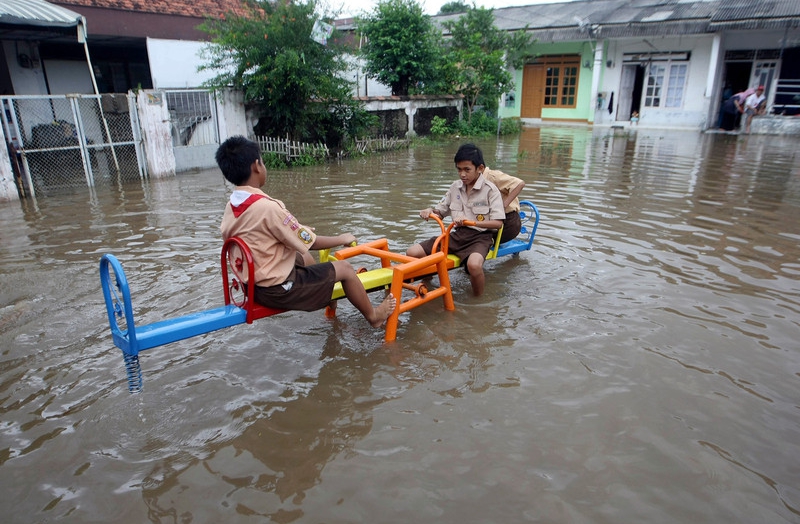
point(510, 126)
point(439, 126)
point(273, 161)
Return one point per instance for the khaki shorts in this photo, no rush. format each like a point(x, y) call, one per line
point(512, 225)
point(464, 241)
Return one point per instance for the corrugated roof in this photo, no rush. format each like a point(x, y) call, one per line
point(36, 13)
point(619, 18)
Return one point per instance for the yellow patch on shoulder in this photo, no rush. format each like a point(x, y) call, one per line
point(305, 235)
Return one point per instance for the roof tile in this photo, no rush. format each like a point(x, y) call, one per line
point(189, 8)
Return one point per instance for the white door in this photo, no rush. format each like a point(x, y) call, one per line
point(765, 73)
point(626, 92)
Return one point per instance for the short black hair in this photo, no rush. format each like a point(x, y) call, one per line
point(235, 156)
point(469, 152)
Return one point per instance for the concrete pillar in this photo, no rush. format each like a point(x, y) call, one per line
point(155, 123)
point(231, 115)
point(597, 70)
point(8, 189)
point(411, 110)
point(712, 93)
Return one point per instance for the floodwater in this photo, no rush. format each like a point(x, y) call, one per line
point(640, 364)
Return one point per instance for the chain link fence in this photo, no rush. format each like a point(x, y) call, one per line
point(68, 142)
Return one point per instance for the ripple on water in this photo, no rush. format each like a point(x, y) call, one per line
point(647, 344)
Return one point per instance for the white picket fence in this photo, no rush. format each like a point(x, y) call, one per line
point(290, 149)
point(382, 143)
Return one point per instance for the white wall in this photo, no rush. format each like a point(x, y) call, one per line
point(26, 81)
point(231, 115)
point(68, 76)
point(695, 109)
point(174, 63)
point(363, 86)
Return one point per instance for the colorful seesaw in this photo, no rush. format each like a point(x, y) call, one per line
point(397, 272)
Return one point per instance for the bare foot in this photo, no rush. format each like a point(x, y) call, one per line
point(384, 310)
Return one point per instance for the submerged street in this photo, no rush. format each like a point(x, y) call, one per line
point(639, 364)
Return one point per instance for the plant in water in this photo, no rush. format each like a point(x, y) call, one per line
point(273, 161)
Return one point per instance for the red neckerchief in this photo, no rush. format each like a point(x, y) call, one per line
point(241, 208)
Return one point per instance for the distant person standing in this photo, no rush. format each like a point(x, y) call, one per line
point(755, 104)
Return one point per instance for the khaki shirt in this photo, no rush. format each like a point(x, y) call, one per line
point(505, 183)
point(484, 202)
point(271, 232)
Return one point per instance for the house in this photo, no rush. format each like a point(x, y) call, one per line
point(132, 44)
point(656, 63)
point(669, 61)
point(57, 59)
point(26, 25)
point(145, 43)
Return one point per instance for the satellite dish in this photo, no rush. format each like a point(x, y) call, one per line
point(582, 22)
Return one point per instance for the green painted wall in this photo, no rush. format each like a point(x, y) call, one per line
point(584, 109)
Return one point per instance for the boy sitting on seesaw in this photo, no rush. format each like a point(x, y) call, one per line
point(280, 243)
point(472, 197)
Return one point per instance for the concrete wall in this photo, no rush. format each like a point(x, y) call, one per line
point(8, 189)
point(232, 116)
point(407, 107)
point(26, 80)
point(775, 125)
point(694, 110)
point(68, 76)
point(173, 64)
point(362, 84)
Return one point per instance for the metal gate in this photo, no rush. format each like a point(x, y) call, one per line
point(67, 142)
point(195, 130)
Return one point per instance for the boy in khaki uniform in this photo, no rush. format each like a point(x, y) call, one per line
point(279, 242)
point(474, 198)
point(510, 187)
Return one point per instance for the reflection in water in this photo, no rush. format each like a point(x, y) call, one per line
point(640, 364)
point(283, 446)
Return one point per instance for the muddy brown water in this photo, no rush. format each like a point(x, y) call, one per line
point(640, 364)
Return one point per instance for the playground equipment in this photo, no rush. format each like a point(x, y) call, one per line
point(397, 272)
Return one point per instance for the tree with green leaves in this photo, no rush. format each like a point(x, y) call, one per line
point(453, 7)
point(402, 45)
point(481, 54)
point(267, 53)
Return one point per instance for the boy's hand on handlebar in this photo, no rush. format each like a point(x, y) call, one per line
point(348, 239)
point(426, 213)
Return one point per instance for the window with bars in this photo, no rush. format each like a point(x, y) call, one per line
point(561, 82)
point(666, 83)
